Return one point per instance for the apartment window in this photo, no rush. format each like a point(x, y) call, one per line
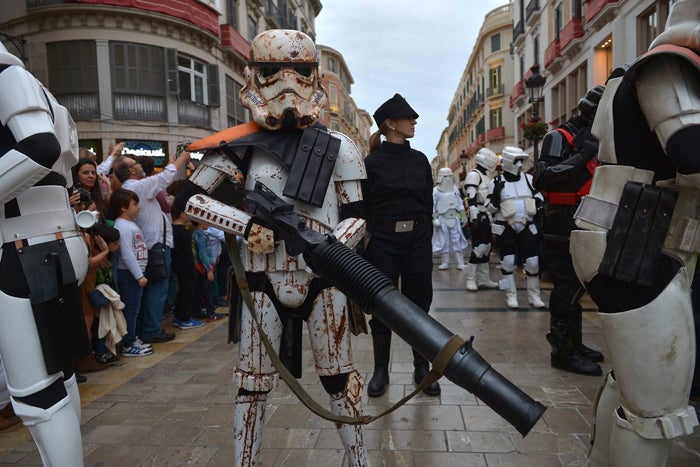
point(252, 28)
point(558, 21)
point(496, 118)
point(72, 67)
point(333, 65)
point(576, 8)
point(193, 78)
point(651, 23)
point(496, 42)
point(495, 77)
point(137, 69)
point(235, 112)
point(333, 98)
point(536, 49)
point(232, 13)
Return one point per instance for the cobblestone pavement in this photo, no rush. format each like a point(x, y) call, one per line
point(176, 406)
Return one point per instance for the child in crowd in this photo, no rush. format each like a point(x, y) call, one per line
point(132, 261)
point(206, 265)
point(185, 271)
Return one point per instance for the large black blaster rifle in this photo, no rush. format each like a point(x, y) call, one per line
point(376, 294)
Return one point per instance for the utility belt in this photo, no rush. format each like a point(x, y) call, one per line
point(641, 220)
point(405, 225)
point(564, 198)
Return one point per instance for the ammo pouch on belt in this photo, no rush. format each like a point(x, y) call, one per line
point(312, 167)
point(638, 233)
point(508, 208)
point(530, 207)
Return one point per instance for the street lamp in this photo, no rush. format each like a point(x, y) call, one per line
point(535, 84)
point(463, 157)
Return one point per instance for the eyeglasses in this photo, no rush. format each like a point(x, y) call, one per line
point(135, 163)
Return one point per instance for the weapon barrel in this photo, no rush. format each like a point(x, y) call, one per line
point(374, 293)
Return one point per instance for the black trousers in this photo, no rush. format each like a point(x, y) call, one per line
point(406, 256)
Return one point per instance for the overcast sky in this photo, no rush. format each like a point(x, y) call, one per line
point(418, 48)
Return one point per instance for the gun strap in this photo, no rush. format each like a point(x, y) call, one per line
point(439, 365)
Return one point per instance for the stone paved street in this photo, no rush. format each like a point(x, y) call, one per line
point(176, 407)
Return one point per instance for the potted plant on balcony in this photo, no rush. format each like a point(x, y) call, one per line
point(534, 130)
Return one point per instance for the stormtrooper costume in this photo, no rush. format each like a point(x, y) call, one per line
point(476, 187)
point(512, 200)
point(448, 218)
point(43, 260)
point(283, 91)
point(648, 125)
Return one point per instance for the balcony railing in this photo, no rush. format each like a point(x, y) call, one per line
point(135, 107)
point(518, 90)
point(232, 39)
point(595, 6)
point(496, 133)
point(39, 3)
point(518, 30)
point(193, 113)
point(496, 91)
point(272, 11)
point(531, 8)
point(81, 106)
point(481, 139)
point(573, 30)
point(552, 52)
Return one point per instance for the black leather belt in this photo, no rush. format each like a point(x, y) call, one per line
point(400, 225)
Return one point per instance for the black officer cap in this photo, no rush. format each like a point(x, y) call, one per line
point(396, 107)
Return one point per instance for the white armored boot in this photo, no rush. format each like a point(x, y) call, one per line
point(56, 431)
point(607, 400)
point(348, 403)
point(508, 284)
point(248, 416)
point(444, 261)
point(459, 256)
point(533, 292)
point(471, 277)
point(483, 278)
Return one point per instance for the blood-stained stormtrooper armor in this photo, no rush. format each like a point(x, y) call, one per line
point(638, 252)
point(43, 260)
point(564, 175)
point(476, 187)
point(448, 218)
point(316, 170)
point(512, 198)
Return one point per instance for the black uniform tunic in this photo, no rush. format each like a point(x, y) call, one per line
point(398, 188)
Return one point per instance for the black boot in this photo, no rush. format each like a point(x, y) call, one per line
point(420, 371)
point(382, 351)
point(576, 325)
point(565, 356)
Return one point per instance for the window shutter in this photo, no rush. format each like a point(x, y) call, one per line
point(173, 85)
point(213, 83)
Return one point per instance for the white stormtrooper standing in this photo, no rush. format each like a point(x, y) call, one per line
point(448, 218)
point(43, 260)
point(638, 253)
point(476, 187)
point(316, 170)
point(512, 198)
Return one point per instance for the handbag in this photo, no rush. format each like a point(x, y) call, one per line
point(155, 269)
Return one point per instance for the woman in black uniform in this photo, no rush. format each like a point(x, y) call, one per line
point(398, 204)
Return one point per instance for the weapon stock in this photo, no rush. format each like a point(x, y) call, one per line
point(375, 293)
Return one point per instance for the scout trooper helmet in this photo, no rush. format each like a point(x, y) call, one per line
point(283, 84)
point(445, 180)
point(588, 105)
point(512, 159)
point(486, 159)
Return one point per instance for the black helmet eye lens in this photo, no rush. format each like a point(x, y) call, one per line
point(267, 71)
point(305, 71)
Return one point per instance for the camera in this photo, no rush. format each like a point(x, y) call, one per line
point(85, 195)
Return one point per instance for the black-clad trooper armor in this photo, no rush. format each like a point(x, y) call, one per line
point(564, 175)
point(638, 253)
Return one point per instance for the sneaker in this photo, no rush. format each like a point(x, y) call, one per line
point(107, 358)
point(136, 351)
point(215, 316)
point(142, 343)
point(189, 324)
point(162, 337)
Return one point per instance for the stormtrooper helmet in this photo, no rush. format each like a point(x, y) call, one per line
point(512, 159)
point(6, 58)
point(588, 105)
point(683, 26)
point(487, 159)
point(283, 84)
point(445, 179)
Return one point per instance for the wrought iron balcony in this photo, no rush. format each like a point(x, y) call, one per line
point(137, 107)
point(81, 106)
point(193, 113)
point(532, 7)
point(572, 30)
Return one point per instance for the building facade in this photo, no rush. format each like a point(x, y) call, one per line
point(340, 112)
point(151, 74)
point(479, 114)
point(577, 44)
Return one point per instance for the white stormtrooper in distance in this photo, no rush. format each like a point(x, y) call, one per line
point(448, 218)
